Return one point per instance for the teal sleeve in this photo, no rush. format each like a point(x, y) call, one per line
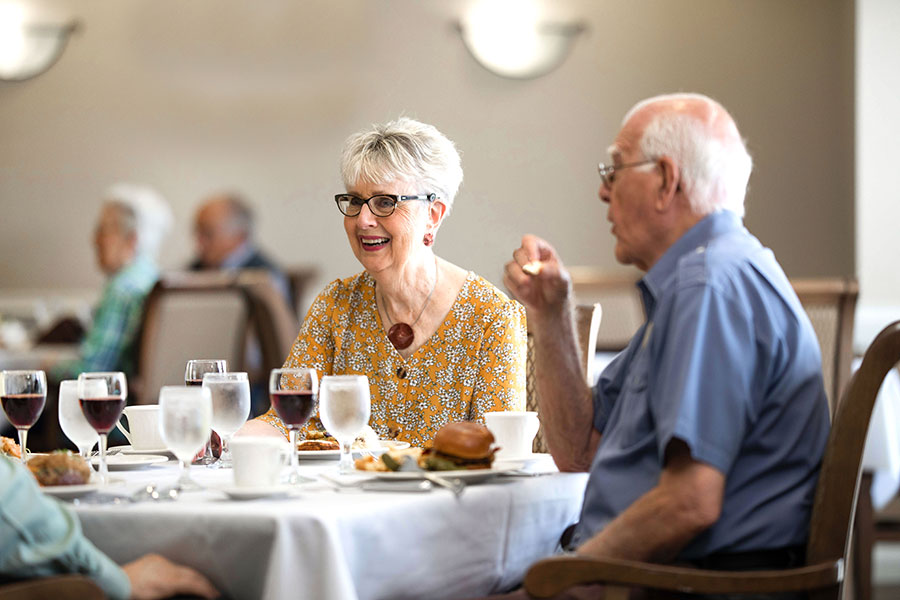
point(39, 536)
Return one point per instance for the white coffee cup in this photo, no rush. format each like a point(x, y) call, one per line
point(143, 427)
point(257, 460)
point(514, 432)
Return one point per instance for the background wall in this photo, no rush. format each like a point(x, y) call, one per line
point(197, 96)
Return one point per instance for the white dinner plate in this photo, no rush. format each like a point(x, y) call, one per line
point(254, 493)
point(130, 450)
point(467, 475)
point(123, 462)
point(67, 492)
point(336, 454)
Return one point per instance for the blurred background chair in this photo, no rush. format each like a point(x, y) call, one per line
point(299, 279)
point(58, 587)
point(621, 302)
point(830, 525)
point(587, 323)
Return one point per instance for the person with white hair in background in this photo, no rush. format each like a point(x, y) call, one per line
point(132, 224)
point(704, 437)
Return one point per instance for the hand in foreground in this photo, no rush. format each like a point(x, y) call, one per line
point(536, 276)
point(153, 576)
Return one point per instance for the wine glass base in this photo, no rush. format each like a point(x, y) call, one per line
point(295, 478)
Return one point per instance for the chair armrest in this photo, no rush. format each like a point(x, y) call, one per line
point(58, 587)
point(551, 576)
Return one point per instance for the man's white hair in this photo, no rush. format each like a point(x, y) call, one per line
point(713, 159)
point(404, 149)
point(144, 212)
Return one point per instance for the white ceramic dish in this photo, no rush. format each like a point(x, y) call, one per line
point(467, 475)
point(130, 450)
point(254, 493)
point(68, 492)
point(124, 462)
point(336, 454)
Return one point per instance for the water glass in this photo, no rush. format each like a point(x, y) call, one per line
point(194, 371)
point(185, 417)
point(72, 420)
point(23, 395)
point(230, 405)
point(344, 409)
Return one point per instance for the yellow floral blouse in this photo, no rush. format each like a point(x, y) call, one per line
point(474, 362)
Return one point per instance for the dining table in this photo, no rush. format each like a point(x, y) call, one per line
point(335, 536)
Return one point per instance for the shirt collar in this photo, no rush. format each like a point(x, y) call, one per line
point(239, 256)
point(694, 239)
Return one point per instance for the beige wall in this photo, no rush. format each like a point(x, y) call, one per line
point(196, 96)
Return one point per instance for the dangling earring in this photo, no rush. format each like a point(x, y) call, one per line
point(429, 239)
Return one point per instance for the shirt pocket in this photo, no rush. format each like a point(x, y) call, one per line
point(631, 426)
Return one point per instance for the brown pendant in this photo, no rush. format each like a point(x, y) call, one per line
point(401, 335)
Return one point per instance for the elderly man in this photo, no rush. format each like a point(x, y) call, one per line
point(133, 221)
point(223, 229)
point(703, 438)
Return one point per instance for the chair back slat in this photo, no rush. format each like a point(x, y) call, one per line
point(838, 487)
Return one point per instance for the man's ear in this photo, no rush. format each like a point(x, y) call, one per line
point(670, 185)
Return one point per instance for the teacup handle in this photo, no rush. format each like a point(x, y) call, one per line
point(123, 430)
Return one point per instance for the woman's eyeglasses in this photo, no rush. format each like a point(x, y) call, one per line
point(381, 205)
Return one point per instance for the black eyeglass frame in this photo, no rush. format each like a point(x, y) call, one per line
point(394, 197)
point(608, 172)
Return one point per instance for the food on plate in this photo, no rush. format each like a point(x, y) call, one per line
point(460, 445)
point(315, 445)
point(389, 461)
point(532, 268)
point(60, 467)
point(9, 447)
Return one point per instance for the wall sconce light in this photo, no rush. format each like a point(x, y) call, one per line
point(509, 38)
point(28, 48)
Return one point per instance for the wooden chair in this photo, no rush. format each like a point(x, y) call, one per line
point(274, 323)
point(299, 279)
point(621, 302)
point(59, 587)
point(189, 315)
point(830, 526)
point(830, 304)
point(587, 323)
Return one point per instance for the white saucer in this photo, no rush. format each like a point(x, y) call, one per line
point(68, 492)
point(248, 493)
point(123, 461)
point(130, 450)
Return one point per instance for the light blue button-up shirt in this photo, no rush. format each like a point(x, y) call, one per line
point(40, 537)
point(727, 362)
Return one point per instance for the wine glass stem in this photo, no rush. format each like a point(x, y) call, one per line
point(103, 472)
point(346, 464)
point(294, 477)
point(225, 453)
point(23, 437)
point(184, 479)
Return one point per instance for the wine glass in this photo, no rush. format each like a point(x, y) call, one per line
point(230, 405)
point(293, 394)
point(193, 376)
point(185, 415)
point(72, 419)
point(344, 410)
point(102, 398)
point(23, 395)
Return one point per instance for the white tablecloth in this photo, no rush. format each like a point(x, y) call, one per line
point(344, 545)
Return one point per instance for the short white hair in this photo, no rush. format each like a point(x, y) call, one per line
point(143, 212)
point(715, 165)
point(404, 149)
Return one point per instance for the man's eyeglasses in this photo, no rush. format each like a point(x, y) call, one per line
point(608, 172)
point(381, 205)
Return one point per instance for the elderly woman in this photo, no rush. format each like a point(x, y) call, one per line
point(438, 343)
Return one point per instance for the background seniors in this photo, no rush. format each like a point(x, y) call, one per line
point(703, 438)
point(224, 236)
point(39, 537)
point(133, 222)
point(438, 343)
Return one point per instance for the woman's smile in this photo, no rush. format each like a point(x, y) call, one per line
point(373, 243)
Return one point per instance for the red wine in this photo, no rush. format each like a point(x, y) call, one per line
point(294, 407)
point(193, 382)
point(102, 413)
point(23, 410)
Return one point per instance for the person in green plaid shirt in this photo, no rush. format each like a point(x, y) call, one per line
point(133, 222)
